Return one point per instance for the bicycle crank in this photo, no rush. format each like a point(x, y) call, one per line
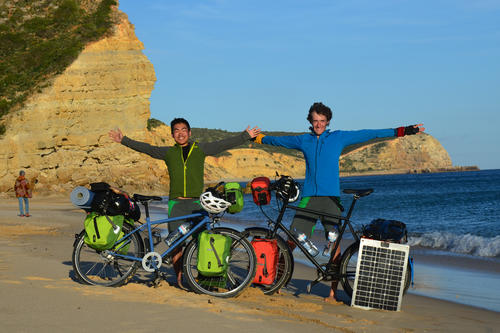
point(151, 261)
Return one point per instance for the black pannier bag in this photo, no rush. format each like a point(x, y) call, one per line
point(386, 230)
point(108, 202)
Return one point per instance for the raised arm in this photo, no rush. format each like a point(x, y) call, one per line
point(353, 137)
point(213, 148)
point(142, 147)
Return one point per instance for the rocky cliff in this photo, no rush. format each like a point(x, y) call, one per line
point(60, 135)
point(416, 153)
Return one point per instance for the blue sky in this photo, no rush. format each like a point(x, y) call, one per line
point(377, 64)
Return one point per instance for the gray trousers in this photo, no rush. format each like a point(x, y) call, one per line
point(181, 207)
point(306, 222)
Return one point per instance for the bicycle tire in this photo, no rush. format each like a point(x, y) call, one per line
point(348, 265)
point(285, 267)
point(240, 272)
point(95, 268)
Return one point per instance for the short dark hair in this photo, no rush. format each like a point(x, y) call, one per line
point(179, 121)
point(319, 108)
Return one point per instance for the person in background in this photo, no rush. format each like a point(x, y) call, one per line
point(22, 190)
point(322, 148)
point(185, 162)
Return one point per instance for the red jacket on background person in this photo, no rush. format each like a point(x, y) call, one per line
point(22, 188)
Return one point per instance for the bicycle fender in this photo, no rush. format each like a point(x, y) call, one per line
point(78, 236)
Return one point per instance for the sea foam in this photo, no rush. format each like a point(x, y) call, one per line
point(465, 244)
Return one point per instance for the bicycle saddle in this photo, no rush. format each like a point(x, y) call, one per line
point(146, 198)
point(359, 193)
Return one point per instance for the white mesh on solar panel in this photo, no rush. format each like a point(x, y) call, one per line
point(380, 275)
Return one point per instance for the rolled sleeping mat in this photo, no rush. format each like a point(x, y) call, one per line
point(81, 196)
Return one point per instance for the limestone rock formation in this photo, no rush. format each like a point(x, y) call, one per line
point(416, 153)
point(60, 135)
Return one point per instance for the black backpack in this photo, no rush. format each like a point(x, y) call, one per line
point(107, 202)
point(386, 230)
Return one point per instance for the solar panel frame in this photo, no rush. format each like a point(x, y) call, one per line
point(380, 275)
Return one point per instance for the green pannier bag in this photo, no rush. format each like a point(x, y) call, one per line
point(213, 254)
point(235, 196)
point(100, 230)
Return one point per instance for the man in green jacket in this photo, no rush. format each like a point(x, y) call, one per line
point(186, 164)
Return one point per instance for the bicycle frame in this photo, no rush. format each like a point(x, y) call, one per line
point(148, 225)
point(346, 223)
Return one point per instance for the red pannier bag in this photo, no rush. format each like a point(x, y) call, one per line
point(266, 251)
point(260, 191)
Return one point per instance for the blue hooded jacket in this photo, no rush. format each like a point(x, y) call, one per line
point(322, 155)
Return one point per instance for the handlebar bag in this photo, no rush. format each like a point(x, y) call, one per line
point(260, 191)
point(234, 195)
point(266, 251)
point(386, 230)
point(213, 254)
point(99, 233)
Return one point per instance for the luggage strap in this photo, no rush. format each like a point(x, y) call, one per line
point(116, 229)
point(96, 228)
point(212, 240)
point(264, 271)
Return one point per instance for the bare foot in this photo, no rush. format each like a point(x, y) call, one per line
point(331, 298)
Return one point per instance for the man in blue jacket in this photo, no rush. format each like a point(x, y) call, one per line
point(322, 149)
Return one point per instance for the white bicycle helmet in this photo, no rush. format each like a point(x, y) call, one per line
point(212, 204)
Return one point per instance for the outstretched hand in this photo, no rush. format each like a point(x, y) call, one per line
point(116, 135)
point(253, 132)
point(420, 127)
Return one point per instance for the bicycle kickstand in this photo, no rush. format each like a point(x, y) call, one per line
point(313, 283)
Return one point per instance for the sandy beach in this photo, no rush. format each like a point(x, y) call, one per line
point(39, 293)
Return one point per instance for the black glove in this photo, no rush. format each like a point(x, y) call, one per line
point(408, 130)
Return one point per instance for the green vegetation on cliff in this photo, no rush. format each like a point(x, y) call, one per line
point(40, 39)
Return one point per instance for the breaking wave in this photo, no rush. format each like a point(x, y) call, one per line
point(464, 244)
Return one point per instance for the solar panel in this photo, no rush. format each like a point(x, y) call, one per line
point(380, 275)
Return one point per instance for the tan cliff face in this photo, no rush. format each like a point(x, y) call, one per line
point(61, 137)
point(415, 153)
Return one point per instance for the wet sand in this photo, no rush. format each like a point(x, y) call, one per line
point(39, 293)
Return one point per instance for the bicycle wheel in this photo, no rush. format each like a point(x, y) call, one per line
point(348, 265)
point(284, 270)
point(240, 272)
point(103, 269)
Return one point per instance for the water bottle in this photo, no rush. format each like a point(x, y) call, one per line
point(332, 237)
point(307, 244)
point(176, 234)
